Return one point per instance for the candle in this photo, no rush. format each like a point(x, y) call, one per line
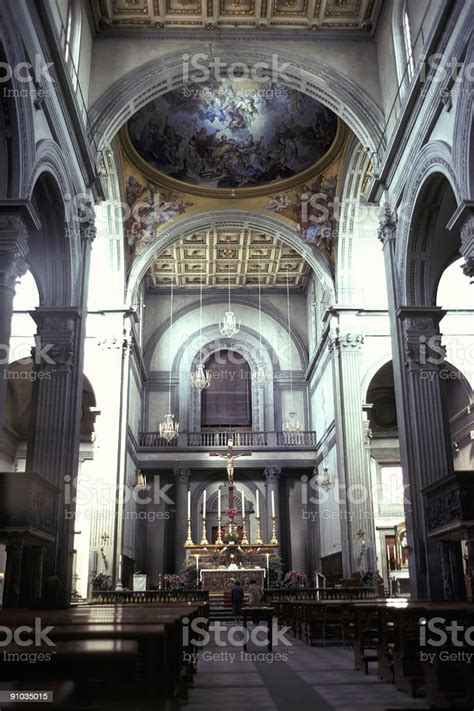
point(189, 504)
point(218, 503)
point(243, 505)
point(258, 504)
point(204, 505)
point(273, 503)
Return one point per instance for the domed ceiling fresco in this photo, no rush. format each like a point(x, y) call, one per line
point(230, 134)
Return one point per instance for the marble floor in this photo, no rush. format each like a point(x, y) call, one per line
point(296, 677)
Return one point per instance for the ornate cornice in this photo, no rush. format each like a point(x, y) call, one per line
point(421, 337)
point(346, 342)
point(55, 339)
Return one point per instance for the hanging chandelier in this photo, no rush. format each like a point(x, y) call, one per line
point(168, 427)
point(228, 327)
point(261, 377)
point(200, 377)
point(322, 481)
point(292, 425)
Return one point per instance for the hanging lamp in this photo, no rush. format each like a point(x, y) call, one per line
point(200, 377)
point(168, 427)
point(228, 327)
point(260, 377)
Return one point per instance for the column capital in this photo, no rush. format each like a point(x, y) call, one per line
point(272, 474)
point(56, 331)
point(421, 335)
point(462, 221)
point(348, 342)
point(182, 474)
point(86, 216)
point(17, 218)
point(387, 231)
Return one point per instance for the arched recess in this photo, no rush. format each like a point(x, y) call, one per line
point(247, 345)
point(353, 214)
point(225, 220)
point(18, 412)
point(50, 249)
point(431, 247)
point(381, 395)
point(307, 74)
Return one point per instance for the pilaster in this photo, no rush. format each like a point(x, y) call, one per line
point(355, 494)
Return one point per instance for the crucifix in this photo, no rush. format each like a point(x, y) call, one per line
point(229, 456)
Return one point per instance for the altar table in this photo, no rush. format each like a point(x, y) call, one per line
point(223, 579)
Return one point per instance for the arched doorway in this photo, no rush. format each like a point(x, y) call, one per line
point(227, 403)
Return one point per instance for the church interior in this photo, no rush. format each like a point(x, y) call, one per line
point(237, 354)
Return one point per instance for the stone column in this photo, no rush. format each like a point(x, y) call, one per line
point(422, 421)
point(12, 588)
point(54, 427)
point(463, 222)
point(182, 476)
point(355, 493)
point(272, 479)
point(15, 221)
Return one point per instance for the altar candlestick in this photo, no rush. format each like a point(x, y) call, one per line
point(204, 505)
point(273, 504)
point(218, 503)
point(258, 504)
point(189, 504)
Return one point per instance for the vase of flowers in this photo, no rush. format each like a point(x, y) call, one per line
point(295, 579)
point(173, 581)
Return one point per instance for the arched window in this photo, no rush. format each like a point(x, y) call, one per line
point(408, 43)
point(227, 402)
point(72, 43)
point(403, 44)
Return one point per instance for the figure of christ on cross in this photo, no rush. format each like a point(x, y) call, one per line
point(229, 456)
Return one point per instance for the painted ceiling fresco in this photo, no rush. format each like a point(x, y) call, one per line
point(230, 134)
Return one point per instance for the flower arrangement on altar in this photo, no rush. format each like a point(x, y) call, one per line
point(174, 581)
point(231, 512)
point(295, 579)
point(232, 537)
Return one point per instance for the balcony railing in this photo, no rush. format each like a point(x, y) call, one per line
point(219, 439)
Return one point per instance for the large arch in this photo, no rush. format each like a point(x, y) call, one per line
point(307, 74)
point(224, 220)
point(431, 247)
point(434, 159)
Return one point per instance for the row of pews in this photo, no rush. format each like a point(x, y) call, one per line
point(108, 656)
point(395, 635)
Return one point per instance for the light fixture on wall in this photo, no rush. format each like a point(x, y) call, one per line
point(322, 481)
point(229, 327)
point(200, 377)
point(168, 427)
point(292, 425)
point(260, 377)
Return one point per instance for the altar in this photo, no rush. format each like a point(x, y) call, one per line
point(222, 580)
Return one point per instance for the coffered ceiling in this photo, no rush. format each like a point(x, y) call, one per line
point(324, 16)
point(208, 258)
